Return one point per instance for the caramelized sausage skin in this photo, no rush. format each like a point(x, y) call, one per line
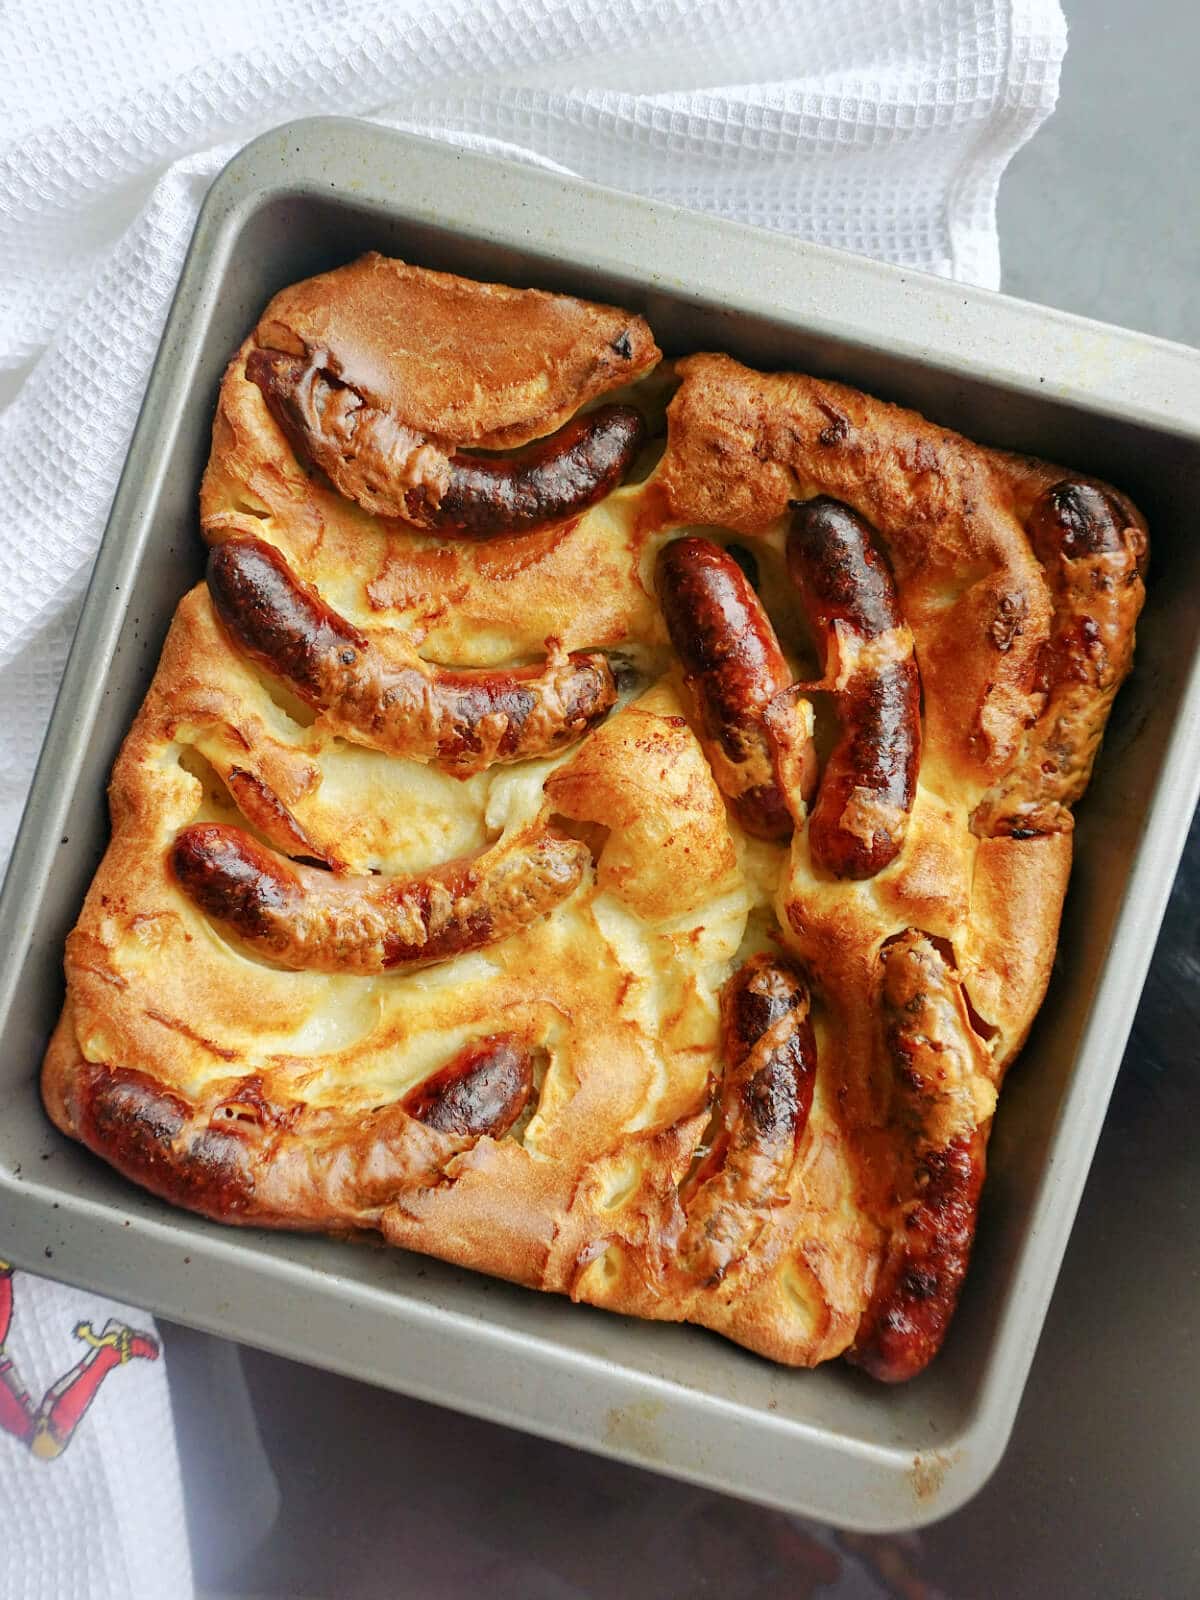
point(1093, 553)
point(867, 789)
point(393, 472)
point(150, 1134)
point(248, 1158)
point(310, 920)
point(547, 482)
point(395, 701)
point(734, 667)
point(770, 1058)
point(919, 1283)
point(484, 1089)
point(942, 1141)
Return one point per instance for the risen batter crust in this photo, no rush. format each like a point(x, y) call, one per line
point(845, 1100)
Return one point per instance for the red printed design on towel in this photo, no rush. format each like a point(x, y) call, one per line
point(47, 1429)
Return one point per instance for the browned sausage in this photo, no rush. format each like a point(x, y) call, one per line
point(1093, 552)
point(770, 1058)
point(919, 1283)
point(310, 920)
point(870, 779)
point(483, 1090)
point(247, 1158)
point(548, 481)
point(394, 701)
point(933, 1053)
point(734, 667)
point(155, 1136)
point(393, 472)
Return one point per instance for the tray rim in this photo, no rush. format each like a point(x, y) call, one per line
point(1103, 369)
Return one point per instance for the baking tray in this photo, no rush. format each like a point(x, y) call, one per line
point(310, 196)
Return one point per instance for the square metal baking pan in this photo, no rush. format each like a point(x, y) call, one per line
point(831, 1443)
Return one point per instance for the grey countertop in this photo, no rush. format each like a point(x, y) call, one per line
point(1097, 1493)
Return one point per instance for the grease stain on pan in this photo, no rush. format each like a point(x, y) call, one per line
point(928, 1472)
point(633, 1429)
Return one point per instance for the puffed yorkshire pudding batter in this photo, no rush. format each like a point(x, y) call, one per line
point(616, 851)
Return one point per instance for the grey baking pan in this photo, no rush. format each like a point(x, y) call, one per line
point(831, 1443)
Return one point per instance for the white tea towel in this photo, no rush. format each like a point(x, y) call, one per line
point(879, 125)
point(89, 1478)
